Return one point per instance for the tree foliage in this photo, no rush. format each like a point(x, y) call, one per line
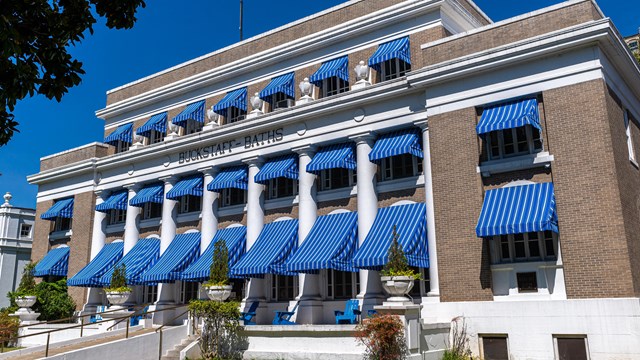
point(397, 264)
point(35, 37)
point(219, 274)
point(383, 338)
point(27, 286)
point(53, 300)
point(220, 334)
point(119, 280)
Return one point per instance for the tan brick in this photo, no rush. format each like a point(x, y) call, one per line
point(72, 156)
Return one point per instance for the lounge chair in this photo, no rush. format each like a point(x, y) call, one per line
point(247, 317)
point(97, 317)
point(135, 320)
point(283, 317)
point(350, 313)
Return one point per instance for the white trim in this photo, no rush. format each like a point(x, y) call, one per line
point(234, 226)
point(191, 231)
point(283, 218)
point(339, 211)
point(518, 183)
point(154, 236)
point(402, 202)
point(57, 235)
point(522, 162)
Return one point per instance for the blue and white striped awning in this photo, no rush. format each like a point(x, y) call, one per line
point(138, 260)
point(518, 209)
point(338, 67)
point(331, 243)
point(192, 185)
point(149, 194)
point(406, 141)
point(281, 166)
point(276, 242)
point(333, 156)
point(232, 177)
point(395, 49)
point(411, 226)
point(157, 122)
point(193, 111)
point(234, 238)
point(509, 115)
point(181, 253)
point(117, 201)
point(122, 133)
point(55, 263)
point(62, 208)
point(236, 98)
point(90, 275)
point(281, 84)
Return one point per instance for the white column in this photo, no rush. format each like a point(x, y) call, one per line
point(209, 210)
point(310, 310)
point(132, 224)
point(370, 286)
point(431, 218)
point(166, 293)
point(98, 238)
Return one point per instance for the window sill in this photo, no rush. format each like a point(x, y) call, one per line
point(187, 217)
point(113, 228)
point(524, 162)
point(336, 194)
point(57, 235)
point(400, 184)
point(147, 223)
point(542, 264)
point(231, 210)
point(280, 202)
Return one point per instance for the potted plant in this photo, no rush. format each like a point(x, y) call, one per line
point(397, 277)
point(218, 288)
point(25, 296)
point(118, 292)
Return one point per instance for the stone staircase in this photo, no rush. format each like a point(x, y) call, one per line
point(174, 354)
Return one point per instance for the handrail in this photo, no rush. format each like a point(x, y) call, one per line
point(75, 317)
point(172, 320)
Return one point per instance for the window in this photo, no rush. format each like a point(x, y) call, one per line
point(527, 282)
point(342, 284)
point(121, 146)
point(190, 203)
point(239, 288)
point(235, 115)
point(192, 126)
point(533, 246)
point(400, 166)
point(189, 292)
point(394, 68)
point(571, 347)
point(25, 230)
point(282, 187)
point(494, 347)
point(334, 85)
point(513, 142)
point(627, 129)
point(62, 224)
point(284, 288)
point(233, 196)
point(281, 101)
point(633, 45)
point(150, 294)
point(155, 137)
point(117, 216)
point(337, 178)
point(151, 210)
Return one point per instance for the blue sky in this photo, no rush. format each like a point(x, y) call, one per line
point(166, 35)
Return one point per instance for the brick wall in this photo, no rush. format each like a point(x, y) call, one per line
point(326, 207)
point(111, 237)
point(146, 232)
point(80, 244)
point(538, 175)
point(188, 225)
point(274, 214)
point(72, 156)
point(41, 230)
point(225, 221)
point(389, 198)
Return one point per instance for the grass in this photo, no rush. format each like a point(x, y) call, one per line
point(7, 349)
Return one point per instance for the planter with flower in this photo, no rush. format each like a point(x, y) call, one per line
point(25, 295)
point(118, 292)
point(396, 275)
point(218, 288)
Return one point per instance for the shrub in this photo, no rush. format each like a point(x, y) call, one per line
point(8, 327)
point(383, 337)
point(397, 264)
point(119, 280)
point(27, 286)
point(219, 337)
point(220, 265)
point(459, 346)
point(53, 301)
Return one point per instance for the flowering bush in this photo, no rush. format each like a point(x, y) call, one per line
point(383, 336)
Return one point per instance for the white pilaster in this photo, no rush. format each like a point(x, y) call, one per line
point(167, 233)
point(434, 282)
point(132, 224)
point(98, 238)
point(209, 210)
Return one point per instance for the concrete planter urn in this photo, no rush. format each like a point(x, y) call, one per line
point(398, 287)
point(117, 298)
point(24, 313)
point(218, 292)
point(25, 302)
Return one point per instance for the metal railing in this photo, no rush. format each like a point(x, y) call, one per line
point(83, 324)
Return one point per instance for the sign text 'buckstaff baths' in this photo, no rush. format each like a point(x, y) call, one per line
point(248, 142)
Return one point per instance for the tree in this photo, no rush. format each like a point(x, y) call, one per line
point(34, 39)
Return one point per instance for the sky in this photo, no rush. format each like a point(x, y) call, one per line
point(166, 35)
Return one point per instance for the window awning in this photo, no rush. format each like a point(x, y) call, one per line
point(518, 209)
point(236, 98)
point(281, 84)
point(62, 208)
point(234, 238)
point(122, 133)
point(333, 156)
point(338, 67)
point(509, 115)
point(331, 244)
point(117, 201)
point(399, 142)
point(276, 242)
point(191, 185)
point(138, 260)
point(181, 253)
point(411, 226)
point(281, 166)
point(150, 194)
point(395, 49)
point(158, 122)
point(90, 275)
point(55, 263)
point(193, 111)
point(231, 177)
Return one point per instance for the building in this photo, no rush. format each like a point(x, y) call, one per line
point(506, 155)
point(16, 236)
point(633, 41)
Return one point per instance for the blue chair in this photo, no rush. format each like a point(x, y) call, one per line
point(135, 320)
point(247, 317)
point(97, 317)
point(350, 313)
point(283, 317)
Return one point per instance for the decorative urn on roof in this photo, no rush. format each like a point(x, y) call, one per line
point(256, 104)
point(362, 74)
point(305, 89)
